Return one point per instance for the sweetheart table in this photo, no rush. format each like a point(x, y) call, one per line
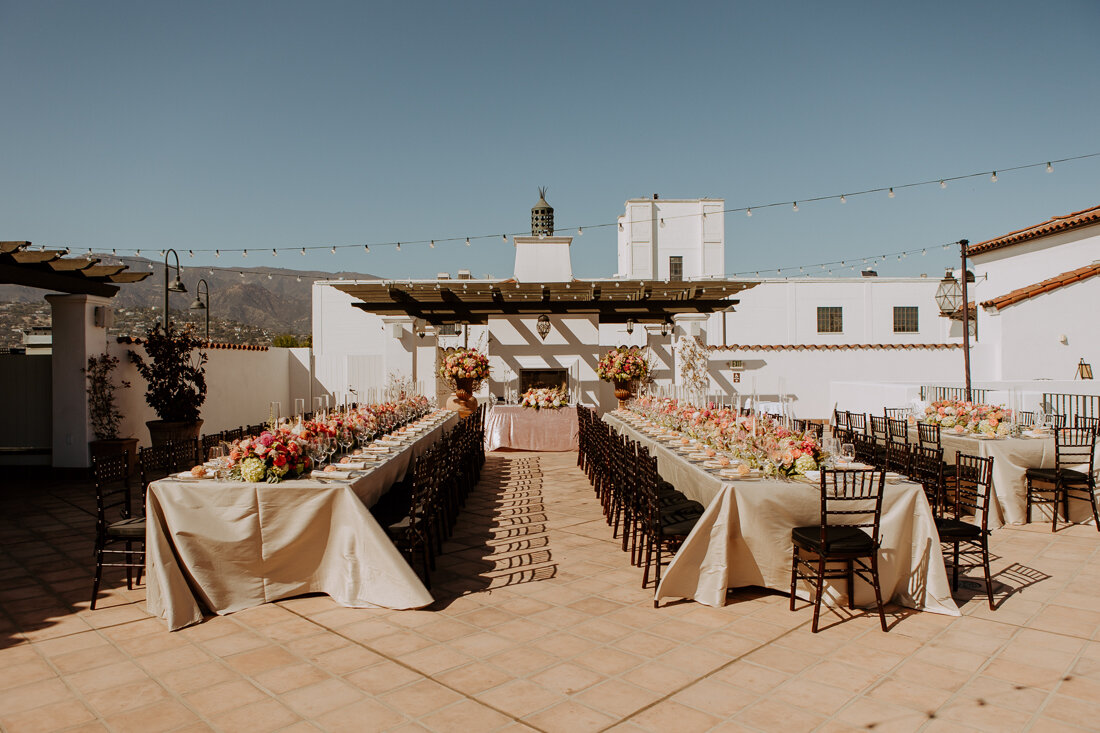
point(744, 537)
point(525, 428)
point(224, 546)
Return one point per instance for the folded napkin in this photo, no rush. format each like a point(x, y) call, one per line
point(351, 465)
point(376, 449)
point(338, 475)
point(390, 443)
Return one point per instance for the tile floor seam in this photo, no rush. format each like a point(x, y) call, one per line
point(1037, 715)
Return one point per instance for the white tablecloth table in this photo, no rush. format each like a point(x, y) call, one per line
point(525, 428)
point(227, 546)
point(744, 537)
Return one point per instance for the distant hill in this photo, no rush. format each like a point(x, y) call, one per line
point(280, 303)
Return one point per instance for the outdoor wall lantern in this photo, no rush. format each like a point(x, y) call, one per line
point(664, 328)
point(176, 287)
point(630, 325)
point(199, 304)
point(950, 298)
point(543, 326)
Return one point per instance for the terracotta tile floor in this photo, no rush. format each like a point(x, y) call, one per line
point(541, 624)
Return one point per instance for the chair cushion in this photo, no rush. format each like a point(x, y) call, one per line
point(842, 540)
point(956, 528)
point(129, 529)
point(1052, 474)
point(678, 529)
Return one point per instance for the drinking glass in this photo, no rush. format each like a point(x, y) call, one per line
point(346, 438)
point(848, 452)
point(218, 457)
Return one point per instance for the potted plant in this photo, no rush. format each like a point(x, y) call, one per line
point(103, 412)
point(176, 382)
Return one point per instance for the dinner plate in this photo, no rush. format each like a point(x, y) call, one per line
point(698, 456)
point(187, 476)
point(814, 476)
point(731, 473)
point(714, 464)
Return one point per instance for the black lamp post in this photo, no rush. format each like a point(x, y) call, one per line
point(950, 296)
point(199, 304)
point(176, 287)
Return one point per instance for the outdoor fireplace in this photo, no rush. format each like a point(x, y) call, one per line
point(538, 378)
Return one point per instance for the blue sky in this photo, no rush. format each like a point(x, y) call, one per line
point(277, 124)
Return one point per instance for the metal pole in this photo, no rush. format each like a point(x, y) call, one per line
point(966, 319)
point(166, 290)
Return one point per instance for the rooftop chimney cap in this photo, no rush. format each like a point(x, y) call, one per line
point(443, 276)
point(464, 275)
point(869, 273)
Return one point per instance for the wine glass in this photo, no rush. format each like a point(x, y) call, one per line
point(848, 452)
point(218, 457)
point(346, 438)
point(317, 452)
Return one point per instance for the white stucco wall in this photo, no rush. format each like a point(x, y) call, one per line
point(1003, 270)
point(645, 243)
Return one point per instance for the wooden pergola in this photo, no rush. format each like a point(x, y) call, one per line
point(468, 301)
point(51, 269)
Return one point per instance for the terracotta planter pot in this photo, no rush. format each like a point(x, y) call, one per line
point(115, 447)
point(162, 432)
point(623, 392)
point(463, 401)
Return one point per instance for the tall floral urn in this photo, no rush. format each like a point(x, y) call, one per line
point(462, 400)
point(624, 368)
point(623, 391)
point(464, 369)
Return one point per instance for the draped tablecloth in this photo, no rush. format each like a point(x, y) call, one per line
point(744, 537)
point(226, 546)
point(525, 428)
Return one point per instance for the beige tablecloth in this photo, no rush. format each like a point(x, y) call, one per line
point(524, 428)
point(744, 537)
point(226, 546)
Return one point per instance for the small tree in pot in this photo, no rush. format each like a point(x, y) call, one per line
point(176, 381)
point(102, 410)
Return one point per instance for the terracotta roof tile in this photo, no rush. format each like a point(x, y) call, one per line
point(205, 344)
point(829, 347)
point(1082, 218)
point(1053, 283)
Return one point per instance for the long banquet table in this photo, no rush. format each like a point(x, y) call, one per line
point(744, 537)
point(225, 546)
point(524, 428)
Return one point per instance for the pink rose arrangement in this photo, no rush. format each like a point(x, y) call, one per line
point(545, 398)
point(622, 365)
point(465, 364)
point(969, 417)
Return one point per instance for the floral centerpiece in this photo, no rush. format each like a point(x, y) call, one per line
point(622, 365)
point(763, 442)
point(465, 364)
point(544, 398)
point(958, 416)
point(270, 457)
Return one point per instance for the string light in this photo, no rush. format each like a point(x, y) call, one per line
point(274, 252)
point(217, 253)
point(399, 246)
point(467, 241)
point(190, 253)
point(333, 250)
point(890, 190)
point(366, 248)
point(299, 278)
point(432, 244)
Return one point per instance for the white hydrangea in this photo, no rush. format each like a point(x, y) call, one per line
point(252, 469)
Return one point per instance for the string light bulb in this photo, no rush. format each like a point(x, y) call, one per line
point(663, 222)
point(333, 250)
point(943, 184)
point(217, 253)
point(467, 241)
point(504, 238)
point(303, 251)
point(274, 252)
point(366, 248)
point(993, 178)
point(244, 253)
point(1050, 168)
point(580, 231)
point(843, 199)
point(399, 246)
point(748, 211)
point(299, 278)
point(794, 206)
point(620, 226)
point(432, 244)
point(891, 194)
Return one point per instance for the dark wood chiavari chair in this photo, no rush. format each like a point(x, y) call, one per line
point(897, 446)
point(1072, 477)
point(848, 533)
point(973, 483)
point(116, 524)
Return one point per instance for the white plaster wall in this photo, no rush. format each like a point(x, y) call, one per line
point(1006, 269)
point(240, 388)
point(785, 312)
point(645, 244)
point(1031, 332)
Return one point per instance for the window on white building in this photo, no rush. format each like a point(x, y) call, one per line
point(676, 268)
point(830, 319)
point(447, 329)
point(905, 319)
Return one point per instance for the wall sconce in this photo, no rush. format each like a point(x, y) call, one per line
point(543, 326)
point(1084, 370)
point(664, 328)
point(630, 325)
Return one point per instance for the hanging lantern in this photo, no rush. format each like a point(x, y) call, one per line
point(543, 326)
